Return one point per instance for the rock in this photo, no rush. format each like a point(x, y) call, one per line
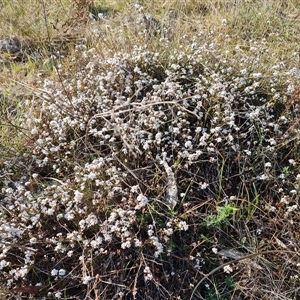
point(10, 45)
point(16, 50)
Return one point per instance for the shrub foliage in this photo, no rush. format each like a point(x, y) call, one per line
point(90, 215)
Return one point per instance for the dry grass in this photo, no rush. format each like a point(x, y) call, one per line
point(83, 179)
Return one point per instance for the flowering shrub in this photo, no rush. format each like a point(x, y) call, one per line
point(113, 142)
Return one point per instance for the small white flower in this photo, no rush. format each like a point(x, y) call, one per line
point(263, 177)
point(147, 274)
point(228, 269)
point(58, 295)
point(62, 272)
point(292, 162)
point(96, 32)
point(270, 208)
point(258, 231)
point(33, 240)
point(284, 200)
point(183, 226)
point(78, 196)
point(292, 208)
point(272, 142)
point(197, 265)
point(3, 264)
point(214, 250)
point(188, 144)
point(86, 279)
point(137, 243)
point(168, 231)
point(143, 200)
point(257, 75)
point(34, 131)
point(203, 185)
point(134, 189)
point(126, 244)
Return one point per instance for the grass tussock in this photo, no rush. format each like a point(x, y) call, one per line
point(152, 155)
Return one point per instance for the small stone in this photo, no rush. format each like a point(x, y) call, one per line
point(11, 46)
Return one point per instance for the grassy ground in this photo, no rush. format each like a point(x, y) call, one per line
point(150, 150)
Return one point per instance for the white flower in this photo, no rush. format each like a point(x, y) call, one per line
point(150, 232)
point(263, 177)
point(188, 144)
point(214, 250)
point(183, 226)
point(147, 274)
point(54, 272)
point(257, 75)
point(197, 265)
point(285, 200)
point(34, 131)
point(228, 269)
point(69, 216)
point(272, 142)
point(292, 162)
point(62, 272)
point(134, 189)
point(78, 196)
point(203, 185)
point(270, 208)
point(86, 279)
point(292, 208)
point(137, 243)
point(91, 220)
point(168, 231)
point(58, 295)
point(143, 200)
point(3, 264)
point(126, 244)
point(33, 240)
